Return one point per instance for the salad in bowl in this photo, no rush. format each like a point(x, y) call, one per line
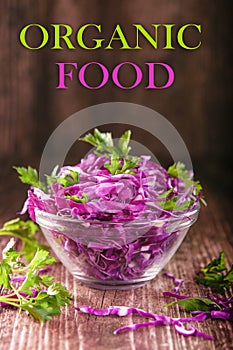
point(114, 219)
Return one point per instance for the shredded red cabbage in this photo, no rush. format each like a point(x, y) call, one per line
point(177, 282)
point(146, 194)
point(179, 327)
point(222, 308)
point(12, 295)
point(225, 313)
point(21, 278)
point(158, 319)
point(175, 295)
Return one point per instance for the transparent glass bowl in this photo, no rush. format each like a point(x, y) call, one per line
point(110, 255)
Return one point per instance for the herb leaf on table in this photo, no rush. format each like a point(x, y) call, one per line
point(25, 231)
point(39, 296)
point(216, 275)
point(195, 304)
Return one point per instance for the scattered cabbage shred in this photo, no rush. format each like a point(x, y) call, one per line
point(158, 320)
point(201, 309)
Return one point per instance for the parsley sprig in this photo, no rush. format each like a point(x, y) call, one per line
point(117, 166)
point(169, 200)
point(120, 160)
point(178, 170)
point(104, 143)
point(77, 199)
point(25, 231)
point(195, 304)
point(216, 275)
point(68, 180)
point(39, 295)
point(30, 176)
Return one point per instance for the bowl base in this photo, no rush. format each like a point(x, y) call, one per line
point(106, 285)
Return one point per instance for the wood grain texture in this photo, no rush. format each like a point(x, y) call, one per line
point(17, 92)
point(211, 234)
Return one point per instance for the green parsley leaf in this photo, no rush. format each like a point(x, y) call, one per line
point(218, 265)
point(76, 198)
point(129, 164)
point(45, 305)
point(5, 271)
point(104, 145)
point(215, 275)
point(102, 141)
point(178, 170)
point(166, 193)
point(68, 180)
point(24, 230)
point(31, 280)
point(30, 176)
point(11, 256)
point(61, 293)
point(123, 143)
point(40, 260)
point(99, 138)
point(46, 280)
point(44, 297)
point(104, 138)
point(114, 166)
point(195, 304)
point(40, 311)
point(229, 275)
point(171, 204)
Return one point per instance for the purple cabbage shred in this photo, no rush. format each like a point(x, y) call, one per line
point(177, 323)
point(224, 305)
point(177, 282)
point(109, 246)
point(222, 310)
point(14, 296)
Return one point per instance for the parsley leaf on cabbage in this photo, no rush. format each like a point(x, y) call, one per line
point(104, 145)
point(178, 170)
point(30, 176)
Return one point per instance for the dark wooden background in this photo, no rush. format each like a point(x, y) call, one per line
point(199, 105)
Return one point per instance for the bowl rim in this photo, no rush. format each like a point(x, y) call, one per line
point(193, 214)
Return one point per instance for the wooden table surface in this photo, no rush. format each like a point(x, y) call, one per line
point(71, 330)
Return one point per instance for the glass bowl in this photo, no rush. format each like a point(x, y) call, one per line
point(114, 255)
